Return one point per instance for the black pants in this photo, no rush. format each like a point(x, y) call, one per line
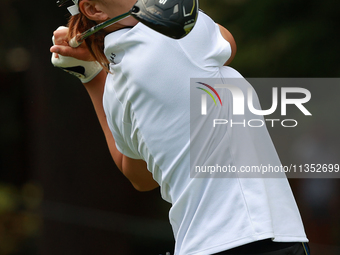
point(267, 247)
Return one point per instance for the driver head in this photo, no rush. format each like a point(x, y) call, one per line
point(173, 18)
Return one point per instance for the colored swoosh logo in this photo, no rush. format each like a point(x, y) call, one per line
point(212, 89)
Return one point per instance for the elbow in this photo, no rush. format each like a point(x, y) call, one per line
point(137, 173)
point(145, 187)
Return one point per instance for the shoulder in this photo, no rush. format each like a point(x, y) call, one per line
point(205, 44)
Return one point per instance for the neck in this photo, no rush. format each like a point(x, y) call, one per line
point(127, 22)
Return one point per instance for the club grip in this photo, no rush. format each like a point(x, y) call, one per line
point(74, 43)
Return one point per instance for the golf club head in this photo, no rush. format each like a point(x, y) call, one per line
point(173, 18)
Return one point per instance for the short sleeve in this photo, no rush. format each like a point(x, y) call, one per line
point(114, 115)
point(122, 146)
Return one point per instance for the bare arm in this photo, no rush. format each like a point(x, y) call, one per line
point(229, 37)
point(135, 170)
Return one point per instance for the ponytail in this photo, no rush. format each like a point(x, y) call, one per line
point(95, 43)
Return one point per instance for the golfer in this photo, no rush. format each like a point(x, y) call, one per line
point(139, 83)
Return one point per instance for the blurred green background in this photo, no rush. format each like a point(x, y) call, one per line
point(60, 192)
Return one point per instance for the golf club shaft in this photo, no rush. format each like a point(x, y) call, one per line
point(78, 39)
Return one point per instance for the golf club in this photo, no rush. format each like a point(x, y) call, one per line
point(173, 18)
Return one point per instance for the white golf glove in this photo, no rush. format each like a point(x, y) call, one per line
point(84, 70)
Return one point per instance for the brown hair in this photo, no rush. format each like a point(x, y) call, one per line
point(95, 43)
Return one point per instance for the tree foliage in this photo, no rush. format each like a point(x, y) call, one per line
point(281, 38)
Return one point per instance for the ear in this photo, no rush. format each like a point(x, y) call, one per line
point(92, 10)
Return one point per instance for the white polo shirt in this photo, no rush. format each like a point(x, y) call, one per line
point(147, 104)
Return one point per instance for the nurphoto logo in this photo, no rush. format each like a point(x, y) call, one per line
point(244, 97)
point(246, 118)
